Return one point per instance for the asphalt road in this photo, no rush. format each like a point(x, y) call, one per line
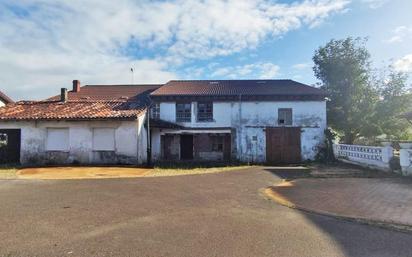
point(222, 214)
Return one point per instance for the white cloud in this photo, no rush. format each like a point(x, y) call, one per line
point(302, 66)
point(374, 4)
point(46, 44)
point(404, 64)
point(400, 34)
point(261, 70)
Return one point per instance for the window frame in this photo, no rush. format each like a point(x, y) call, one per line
point(205, 114)
point(184, 115)
point(286, 112)
point(155, 111)
point(216, 142)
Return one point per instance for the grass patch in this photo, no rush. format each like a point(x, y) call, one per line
point(8, 172)
point(166, 169)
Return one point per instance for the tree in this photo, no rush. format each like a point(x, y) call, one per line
point(394, 100)
point(343, 67)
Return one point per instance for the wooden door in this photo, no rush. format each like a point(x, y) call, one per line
point(283, 145)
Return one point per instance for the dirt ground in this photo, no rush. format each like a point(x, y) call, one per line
point(108, 172)
point(81, 172)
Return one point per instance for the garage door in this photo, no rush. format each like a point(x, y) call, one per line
point(9, 146)
point(283, 145)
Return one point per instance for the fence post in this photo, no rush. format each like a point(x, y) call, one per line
point(405, 161)
point(387, 154)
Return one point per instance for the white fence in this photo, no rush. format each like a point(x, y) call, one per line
point(406, 161)
point(370, 156)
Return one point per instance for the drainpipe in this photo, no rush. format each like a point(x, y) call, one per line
point(240, 127)
point(149, 138)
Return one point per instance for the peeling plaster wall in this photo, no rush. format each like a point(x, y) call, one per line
point(34, 134)
point(248, 120)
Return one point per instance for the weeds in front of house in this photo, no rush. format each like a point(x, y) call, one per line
point(8, 172)
point(191, 168)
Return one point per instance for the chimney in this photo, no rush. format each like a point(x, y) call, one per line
point(76, 85)
point(63, 95)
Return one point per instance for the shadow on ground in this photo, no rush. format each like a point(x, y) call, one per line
point(355, 239)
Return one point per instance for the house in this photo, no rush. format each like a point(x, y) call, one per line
point(4, 99)
point(274, 121)
point(89, 124)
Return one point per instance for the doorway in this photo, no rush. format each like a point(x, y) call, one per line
point(186, 147)
point(283, 145)
point(10, 141)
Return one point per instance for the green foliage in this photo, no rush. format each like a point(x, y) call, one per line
point(394, 100)
point(343, 66)
point(361, 105)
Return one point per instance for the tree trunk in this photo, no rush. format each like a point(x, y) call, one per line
point(349, 137)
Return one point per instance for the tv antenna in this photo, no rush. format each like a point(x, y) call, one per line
point(132, 71)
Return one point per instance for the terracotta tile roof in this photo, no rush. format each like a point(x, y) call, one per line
point(91, 102)
point(5, 98)
point(77, 110)
point(109, 93)
point(236, 87)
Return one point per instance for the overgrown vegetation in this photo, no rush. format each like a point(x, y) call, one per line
point(325, 150)
point(364, 104)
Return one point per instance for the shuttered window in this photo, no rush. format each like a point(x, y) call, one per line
point(103, 139)
point(285, 117)
point(57, 139)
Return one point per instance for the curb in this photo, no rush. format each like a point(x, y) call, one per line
point(281, 200)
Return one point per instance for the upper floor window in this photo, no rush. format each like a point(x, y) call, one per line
point(155, 111)
point(285, 116)
point(183, 112)
point(205, 111)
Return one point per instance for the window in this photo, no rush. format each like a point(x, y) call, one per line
point(205, 111)
point(57, 139)
point(285, 116)
point(183, 112)
point(155, 111)
point(217, 144)
point(103, 139)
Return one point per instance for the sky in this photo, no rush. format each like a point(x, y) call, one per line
point(44, 45)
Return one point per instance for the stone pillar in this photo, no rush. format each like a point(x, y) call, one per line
point(387, 154)
point(405, 155)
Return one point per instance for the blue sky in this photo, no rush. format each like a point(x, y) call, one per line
point(46, 44)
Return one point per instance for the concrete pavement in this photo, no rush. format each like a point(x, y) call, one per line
point(222, 214)
point(387, 200)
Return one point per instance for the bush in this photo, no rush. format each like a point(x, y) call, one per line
point(325, 150)
point(394, 163)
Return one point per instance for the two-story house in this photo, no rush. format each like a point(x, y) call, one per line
point(276, 121)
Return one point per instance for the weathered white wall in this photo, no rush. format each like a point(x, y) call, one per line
point(34, 134)
point(248, 119)
point(2, 103)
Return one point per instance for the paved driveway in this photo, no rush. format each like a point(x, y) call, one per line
point(221, 214)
